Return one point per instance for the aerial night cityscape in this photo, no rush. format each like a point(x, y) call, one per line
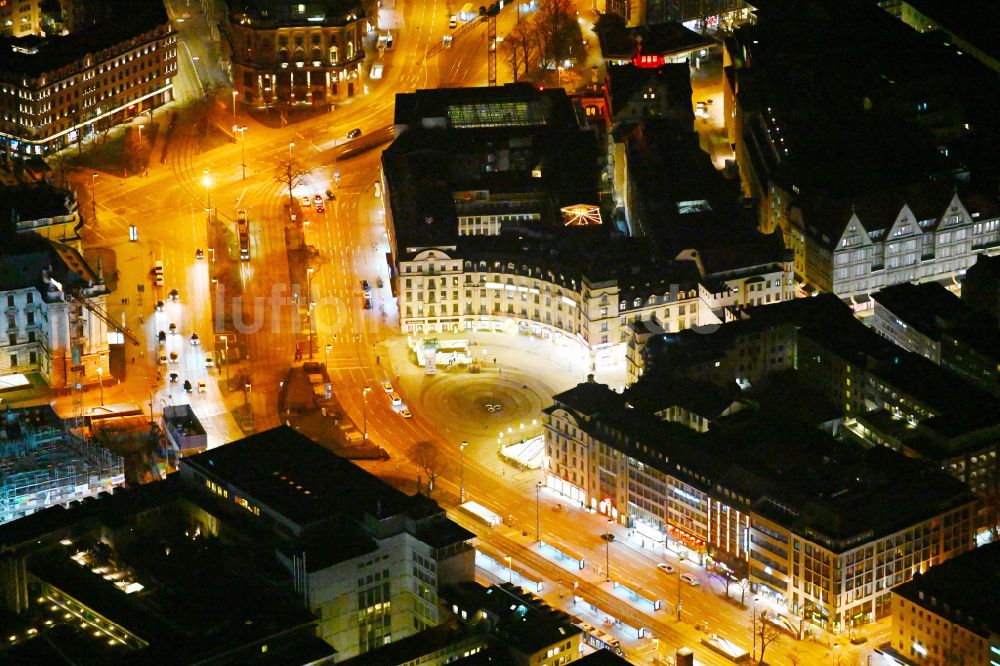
point(510, 332)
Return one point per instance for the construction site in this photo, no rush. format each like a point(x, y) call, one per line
point(43, 463)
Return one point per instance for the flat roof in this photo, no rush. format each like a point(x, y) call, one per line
point(964, 589)
point(298, 478)
point(107, 24)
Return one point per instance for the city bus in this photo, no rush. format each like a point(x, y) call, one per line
point(243, 232)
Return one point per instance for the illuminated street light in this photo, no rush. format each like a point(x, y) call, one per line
point(364, 398)
point(538, 512)
point(93, 195)
point(243, 148)
point(100, 382)
point(234, 114)
point(290, 146)
point(607, 553)
point(206, 180)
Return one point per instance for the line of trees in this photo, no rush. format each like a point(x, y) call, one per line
point(543, 41)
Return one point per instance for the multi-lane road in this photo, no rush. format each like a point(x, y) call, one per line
point(203, 183)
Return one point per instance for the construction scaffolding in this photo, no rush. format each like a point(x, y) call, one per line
point(45, 465)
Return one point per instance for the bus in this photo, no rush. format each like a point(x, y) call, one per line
point(599, 640)
point(468, 12)
point(481, 513)
point(243, 231)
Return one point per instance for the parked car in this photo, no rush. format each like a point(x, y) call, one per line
point(354, 133)
point(608, 536)
point(396, 400)
point(690, 579)
point(666, 568)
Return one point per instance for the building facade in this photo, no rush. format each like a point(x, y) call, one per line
point(57, 91)
point(946, 616)
point(664, 480)
point(296, 54)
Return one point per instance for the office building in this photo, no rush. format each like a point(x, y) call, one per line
point(866, 193)
point(494, 205)
point(968, 25)
point(58, 90)
point(530, 631)
point(822, 527)
point(879, 393)
point(51, 212)
point(289, 53)
point(951, 613)
point(981, 286)
point(931, 321)
point(42, 464)
point(248, 545)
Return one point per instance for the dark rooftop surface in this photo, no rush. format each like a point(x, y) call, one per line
point(109, 22)
point(849, 99)
point(523, 621)
point(833, 491)
point(601, 658)
point(24, 257)
point(33, 202)
point(934, 311)
point(268, 13)
point(299, 479)
point(975, 21)
point(412, 647)
point(963, 589)
point(665, 39)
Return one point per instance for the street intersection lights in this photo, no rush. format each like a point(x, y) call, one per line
point(461, 487)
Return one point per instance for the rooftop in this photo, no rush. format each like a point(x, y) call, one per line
point(974, 21)
point(964, 589)
point(299, 479)
point(26, 258)
point(280, 13)
point(831, 491)
point(34, 202)
point(108, 22)
point(934, 311)
point(519, 619)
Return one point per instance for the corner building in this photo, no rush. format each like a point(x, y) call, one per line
point(291, 53)
point(58, 90)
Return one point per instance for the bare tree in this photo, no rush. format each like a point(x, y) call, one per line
point(744, 586)
point(558, 32)
point(427, 457)
point(521, 49)
point(794, 659)
point(765, 633)
point(289, 174)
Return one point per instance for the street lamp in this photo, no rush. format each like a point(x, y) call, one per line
point(461, 487)
point(753, 654)
point(290, 146)
point(243, 148)
point(510, 569)
point(607, 553)
point(234, 113)
point(328, 349)
point(93, 196)
point(250, 402)
point(364, 398)
point(100, 382)
point(538, 512)
point(206, 180)
point(309, 295)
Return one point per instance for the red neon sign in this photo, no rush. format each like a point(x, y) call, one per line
point(648, 61)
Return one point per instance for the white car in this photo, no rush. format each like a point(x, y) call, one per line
point(387, 387)
point(201, 386)
point(307, 201)
point(690, 579)
point(666, 568)
point(396, 400)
